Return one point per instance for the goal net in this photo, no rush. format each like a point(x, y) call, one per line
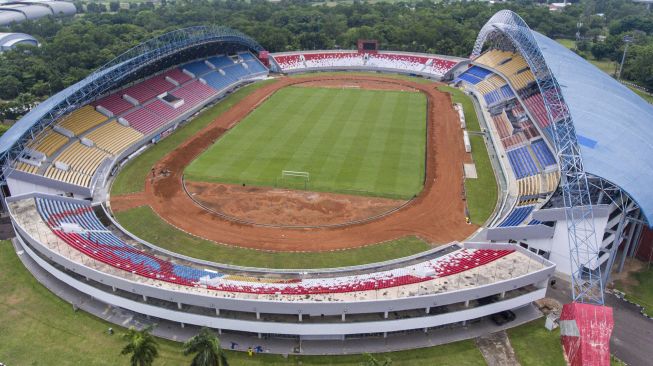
point(295, 179)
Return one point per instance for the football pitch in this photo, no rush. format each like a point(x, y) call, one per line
point(353, 141)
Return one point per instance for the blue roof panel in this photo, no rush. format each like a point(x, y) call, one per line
point(614, 125)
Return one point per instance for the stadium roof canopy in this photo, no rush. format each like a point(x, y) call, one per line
point(18, 11)
point(613, 124)
point(9, 40)
point(160, 53)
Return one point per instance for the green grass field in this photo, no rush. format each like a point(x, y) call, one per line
point(144, 223)
point(536, 346)
point(349, 140)
point(640, 289)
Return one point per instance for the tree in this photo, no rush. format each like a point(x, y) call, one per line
point(371, 361)
point(11, 87)
point(206, 347)
point(141, 345)
point(114, 6)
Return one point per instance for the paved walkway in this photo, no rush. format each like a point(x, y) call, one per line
point(497, 350)
point(174, 331)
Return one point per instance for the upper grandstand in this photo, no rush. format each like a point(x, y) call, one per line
point(425, 65)
point(610, 120)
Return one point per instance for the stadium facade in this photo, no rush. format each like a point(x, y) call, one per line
point(59, 159)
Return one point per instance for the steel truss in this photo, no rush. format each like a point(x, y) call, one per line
point(113, 73)
point(504, 28)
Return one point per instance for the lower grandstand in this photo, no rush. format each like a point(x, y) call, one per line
point(67, 234)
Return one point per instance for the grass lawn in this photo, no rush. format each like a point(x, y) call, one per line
point(458, 96)
point(647, 97)
point(639, 288)
point(370, 142)
point(569, 43)
point(3, 129)
point(481, 192)
point(132, 176)
point(536, 346)
point(31, 317)
point(606, 66)
point(38, 328)
point(144, 223)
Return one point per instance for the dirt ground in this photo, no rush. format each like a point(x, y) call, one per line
point(437, 214)
point(285, 207)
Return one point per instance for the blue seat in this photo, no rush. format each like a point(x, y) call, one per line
point(522, 163)
point(543, 154)
point(198, 68)
point(517, 216)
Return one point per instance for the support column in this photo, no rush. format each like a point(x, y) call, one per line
point(179, 305)
point(503, 296)
point(258, 315)
point(638, 235)
point(217, 311)
point(260, 336)
point(466, 303)
point(342, 317)
point(624, 253)
point(183, 325)
point(219, 331)
point(144, 298)
point(428, 309)
point(113, 288)
point(385, 315)
point(385, 334)
point(300, 317)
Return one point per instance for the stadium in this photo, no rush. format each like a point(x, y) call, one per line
point(341, 126)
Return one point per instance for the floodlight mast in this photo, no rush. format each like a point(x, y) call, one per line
point(584, 251)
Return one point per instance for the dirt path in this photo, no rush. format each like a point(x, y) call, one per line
point(285, 207)
point(436, 215)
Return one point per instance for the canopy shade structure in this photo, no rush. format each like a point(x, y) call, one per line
point(612, 124)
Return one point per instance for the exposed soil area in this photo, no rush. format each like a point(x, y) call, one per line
point(285, 207)
point(437, 214)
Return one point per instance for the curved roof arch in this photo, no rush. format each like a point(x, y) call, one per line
point(58, 7)
point(9, 40)
point(611, 124)
point(9, 17)
point(116, 72)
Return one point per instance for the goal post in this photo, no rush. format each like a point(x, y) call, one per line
point(293, 179)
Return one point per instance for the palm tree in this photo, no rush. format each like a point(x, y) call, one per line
point(206, 347)
point(371, 361)
point(141, 345)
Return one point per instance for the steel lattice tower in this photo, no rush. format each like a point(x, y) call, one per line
point(505, 29)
